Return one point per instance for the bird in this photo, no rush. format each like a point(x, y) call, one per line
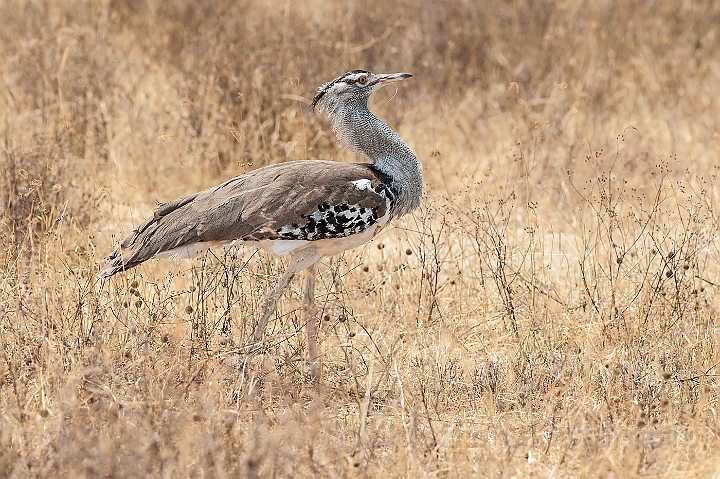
point(307, 209)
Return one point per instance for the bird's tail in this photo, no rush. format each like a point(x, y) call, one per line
point(115, 264)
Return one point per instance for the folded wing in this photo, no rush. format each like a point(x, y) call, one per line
point(305, 200)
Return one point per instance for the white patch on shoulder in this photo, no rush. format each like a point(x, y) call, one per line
point(362, 184)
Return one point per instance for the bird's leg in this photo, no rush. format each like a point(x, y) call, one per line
point(309, 308)
point(271, 303)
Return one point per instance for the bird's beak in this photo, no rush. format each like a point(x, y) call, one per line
point(387, 78)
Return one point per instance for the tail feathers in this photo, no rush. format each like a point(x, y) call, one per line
point(115, 265)
point(175, 230)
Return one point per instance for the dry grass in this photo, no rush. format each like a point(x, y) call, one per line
point(550, 310)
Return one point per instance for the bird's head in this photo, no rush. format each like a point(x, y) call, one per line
point(354, 87)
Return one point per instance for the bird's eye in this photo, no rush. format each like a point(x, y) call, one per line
point(362, 80)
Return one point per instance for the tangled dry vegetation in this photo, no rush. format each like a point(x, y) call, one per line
point(550, 310)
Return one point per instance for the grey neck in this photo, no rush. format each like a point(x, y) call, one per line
point(361, 131)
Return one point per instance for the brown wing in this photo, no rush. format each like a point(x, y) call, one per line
point(294, 200)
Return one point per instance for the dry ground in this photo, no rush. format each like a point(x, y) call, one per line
point(551, 310)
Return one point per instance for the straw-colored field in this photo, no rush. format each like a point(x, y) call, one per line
point(550, 310)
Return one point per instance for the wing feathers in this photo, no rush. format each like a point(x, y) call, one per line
point(253, 206)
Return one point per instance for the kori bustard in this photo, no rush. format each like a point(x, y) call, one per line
point(307, 209)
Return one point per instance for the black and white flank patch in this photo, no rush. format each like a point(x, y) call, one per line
point(340, 220)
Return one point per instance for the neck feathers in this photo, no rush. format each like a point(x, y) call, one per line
point(362, 132)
